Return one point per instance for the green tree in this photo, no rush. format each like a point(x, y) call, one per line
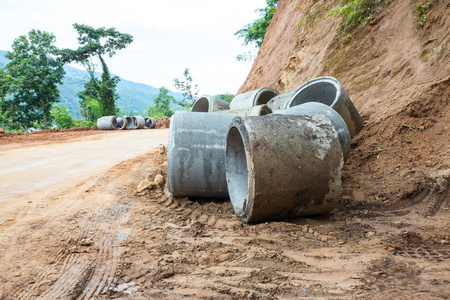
point(225, 97)
point(62, 117)
point(189, 90)
point(29, 84)
point(161, 106)
point(97, 43)
point(254, 32)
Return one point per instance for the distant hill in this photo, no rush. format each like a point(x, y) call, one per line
point(134, 98)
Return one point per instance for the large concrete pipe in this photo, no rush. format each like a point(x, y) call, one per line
point(135, 122)
point(150, 123)
point(329, 91)
point(140, 122)
point(130, 122)
point(107, 123)
point(279, 102)
point(253, 98)
point(335, 118)
point(259, 110)
point(207, 103)
point(196, 154)
point(291, 167)
point(121, 122)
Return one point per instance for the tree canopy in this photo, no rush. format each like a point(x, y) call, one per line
point(28, 85)
point(161, 106)
point(254, 32)
point(97, 43)
point(187, 88)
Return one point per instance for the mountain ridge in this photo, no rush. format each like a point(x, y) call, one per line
point(134, 98)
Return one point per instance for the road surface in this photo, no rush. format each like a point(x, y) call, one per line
point(38, 167)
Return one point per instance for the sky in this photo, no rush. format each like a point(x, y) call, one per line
point(169, 36)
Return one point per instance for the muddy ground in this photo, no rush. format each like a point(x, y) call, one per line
point(100, 239)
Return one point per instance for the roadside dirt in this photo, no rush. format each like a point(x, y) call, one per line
point(99, 239)
point(389, 238)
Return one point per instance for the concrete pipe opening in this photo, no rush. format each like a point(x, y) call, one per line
point(252, 98)
point(207, 103)
point(150, 123)
point(264, 96)
point(329, 91)
point(121, 123)
point(236, 170)
point(129, 123)
point(295, 172)
point(201, 105)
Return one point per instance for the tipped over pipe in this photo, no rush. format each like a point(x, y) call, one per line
point(207, 103)
point(107, 123)
point(253, 98)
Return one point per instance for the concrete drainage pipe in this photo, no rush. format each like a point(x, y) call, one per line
point(207, 103)
point(107, 123)
point(329, 91)
point(129, 122)
point(259, 110)
point(253, 98)
point(140, 122)
point(196, 154)
point(121, 122)
point(320, 108)
point(290, 168)
point(150, 123)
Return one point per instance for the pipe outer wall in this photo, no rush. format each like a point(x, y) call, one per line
point(196, 154)
point(294, 172)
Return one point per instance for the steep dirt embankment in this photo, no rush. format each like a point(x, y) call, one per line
point(396, 72)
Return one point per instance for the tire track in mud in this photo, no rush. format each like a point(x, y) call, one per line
point(84, 253)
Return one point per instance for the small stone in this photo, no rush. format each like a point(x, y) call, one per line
point(143, 185)
point(159, 180)
point(86, 242)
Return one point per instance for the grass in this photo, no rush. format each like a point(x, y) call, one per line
point(356, 13)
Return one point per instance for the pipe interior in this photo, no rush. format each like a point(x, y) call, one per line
point(130, 123)
point(236, 171)
point(323, 92)
point(118, 122)
point(265, 97)
point(201, 105)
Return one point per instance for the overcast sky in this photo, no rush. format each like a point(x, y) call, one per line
point(169, 36)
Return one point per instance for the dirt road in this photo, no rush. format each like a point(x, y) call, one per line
point(94, 237)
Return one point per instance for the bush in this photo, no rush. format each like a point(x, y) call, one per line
point(62, 118)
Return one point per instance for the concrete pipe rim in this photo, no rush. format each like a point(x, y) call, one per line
point(203, 104)
point(264, 95)
point(130, 122)
point(124, 123)
point(305, 93)
point(236, 157)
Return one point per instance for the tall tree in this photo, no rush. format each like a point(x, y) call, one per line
point(161, 106)
point(30, 80)
point(97, 43)
point(189, 90)
point(254, 32)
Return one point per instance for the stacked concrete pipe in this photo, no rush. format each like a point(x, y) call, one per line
point(196, 154)
point(290, 168)
point(320, 108)
point(207, 103)
point(121, 123)
point(253, 98)
point(129, 122)
point(149, 123)
point(259, 110)
point(140, 122)
point(326, 90)
point(107, 123)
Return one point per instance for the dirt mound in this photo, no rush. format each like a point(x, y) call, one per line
point(2, 131)
point(397, 78)
point(164, 122)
